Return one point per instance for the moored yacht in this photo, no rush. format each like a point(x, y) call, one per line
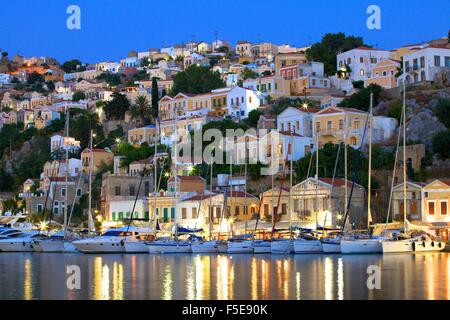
point(262, 246)
point(361, 246)
point(426, 244)
point(205, 246)
point(168, 246)
point(20, 243)
point(307, 243)
point(332, 244)
point(240, 246)
point(282, 246)
point(112, 241)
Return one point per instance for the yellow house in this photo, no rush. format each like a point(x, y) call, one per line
point(218, 102)
point(138, 136)
point(288, 59)
point(271, 85)
point(383, 74)
point(100, 157)
point(334, 124)
point(435, 210)
point(204, 47)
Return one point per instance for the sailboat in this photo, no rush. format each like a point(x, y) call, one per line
point(172, 245)
point(307, 242)
point(369, 244)
point(58, 242)
point(405, 243)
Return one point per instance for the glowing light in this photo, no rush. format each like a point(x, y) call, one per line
point(339, 217)
point(190, 169)
point(167, 174)
point(43, 225)
point(305, 105)
point(117, 140)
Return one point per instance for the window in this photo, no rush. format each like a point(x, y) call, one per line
point(447, 62)
point(78, 192)
point(422, 62)
point(194, 213)
point(361, 59)
point(437, 61)
point(341, 124)
point(56, 207)
point(63, 192)
point(431, 208)
point(329, 125)
point(117, 191)
point(443, 208)
point(317, 126)
point(415, 64)
point(361, 72)
point(132, 190)
point(283, 209)
point(183, 213)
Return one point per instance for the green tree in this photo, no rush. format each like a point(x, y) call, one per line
point(361, 99)
point(196, 79)
point(72, 66)
point(111, 79)
point(35, 78)
point(253, 118)
point(78, 95)
point(249, 74)
point(145, 62)
point(155, 97)
point(441, 143)
point(141, 110)
point(117, 107)
point(331, 45)
point(442, 111)
point(81, 124)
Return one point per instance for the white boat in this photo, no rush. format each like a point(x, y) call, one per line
point(303, 245)
point(56, 243)
point(425, 244)
point(222, 246)
point(10, 233)
point(205, 246)
point(397, 246)
point(262, 246)
point(112, 241)
point(168, 246)
point(135, 246)
point(282, 246)
point(22, 243)
point(331, 245)
point(240, 246)
point(361, 246)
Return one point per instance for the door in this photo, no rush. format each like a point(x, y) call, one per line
point(165, 215)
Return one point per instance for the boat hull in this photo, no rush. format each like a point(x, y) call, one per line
point(366, 246)
point(98, 246)
point(397, 246)
point(307, 246)
point(205, 247)
point(428, 246)
point(169, 248)
point(222, 247)
point(50, 246)
point(331, 247)
point(135, 247)
point(16, 246)
point(282, 247)
point(240, 247)
point(262, 247)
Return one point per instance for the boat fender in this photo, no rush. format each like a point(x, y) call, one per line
point(432, 243)
point(414, 246)
point(439, 244)
point(423, 243)
point(122, 242)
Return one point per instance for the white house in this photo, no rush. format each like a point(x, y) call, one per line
point(5, 78)
point(58, 142)
point(425, 64)
point(360, 60)
point(241, 101)
point(296, 120)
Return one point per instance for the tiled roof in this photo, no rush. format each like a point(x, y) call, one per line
point(338, 182)
point(188, 178)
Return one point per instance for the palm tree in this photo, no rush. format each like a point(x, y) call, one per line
point(141, 111)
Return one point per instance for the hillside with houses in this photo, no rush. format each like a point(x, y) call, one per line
point(98, 139)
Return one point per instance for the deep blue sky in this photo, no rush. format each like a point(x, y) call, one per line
point(112, 27)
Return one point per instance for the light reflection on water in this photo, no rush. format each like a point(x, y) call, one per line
point(202, 277)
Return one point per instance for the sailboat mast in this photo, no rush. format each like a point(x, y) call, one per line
point(155, 170)
point(346, 162)
point(369, 186)
point(176, 174)
point(67, 173)
point(211, 211)
point(90, 220)
point(317, 181)
point(404, 157)
point(290, 189)
point(245, 195)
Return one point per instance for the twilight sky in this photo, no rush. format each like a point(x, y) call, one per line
point(110, 28)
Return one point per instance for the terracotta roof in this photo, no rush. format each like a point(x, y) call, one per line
point(239, 194)
point(445, 180)
point(200, 197)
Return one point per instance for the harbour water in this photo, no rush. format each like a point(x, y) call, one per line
point(209, 277)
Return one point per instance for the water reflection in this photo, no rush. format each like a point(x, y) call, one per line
point(200, 277)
